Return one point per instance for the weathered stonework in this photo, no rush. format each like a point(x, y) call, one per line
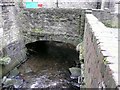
point(100, 56)
point(12, 43)
point(52, 24)
point(65, 25)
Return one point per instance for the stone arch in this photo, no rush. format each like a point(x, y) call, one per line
point(72, 39)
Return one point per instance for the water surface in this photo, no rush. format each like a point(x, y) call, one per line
point(48, 66)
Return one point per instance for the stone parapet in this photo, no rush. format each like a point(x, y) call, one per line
point(100, 54)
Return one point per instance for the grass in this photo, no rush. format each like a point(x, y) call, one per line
point(111, 24)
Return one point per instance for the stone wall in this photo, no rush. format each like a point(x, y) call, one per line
point(100, 56)
point(63, 25)
point(1, 30)
point(12, 43)
point(66, 4)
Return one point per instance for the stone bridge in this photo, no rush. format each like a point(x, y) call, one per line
point(63, 25)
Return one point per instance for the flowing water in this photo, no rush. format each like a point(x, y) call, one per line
point(48, 66)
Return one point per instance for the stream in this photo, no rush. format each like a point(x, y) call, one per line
point(47, 66)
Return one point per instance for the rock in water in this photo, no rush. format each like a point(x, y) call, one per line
point(78, 47)
point(14, 73)
point(75, 72)
point(18, 83)
point(8, 82)
point(28, 70)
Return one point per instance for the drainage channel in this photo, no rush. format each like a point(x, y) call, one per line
point(49, 66)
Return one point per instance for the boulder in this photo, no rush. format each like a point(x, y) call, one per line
point(75, 72)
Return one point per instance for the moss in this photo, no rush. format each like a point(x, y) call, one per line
point(111, 24)
point(105, 61)
point(57, 18)
point(24, 12)
point(5, 60)
point(33, 11)
point(21, 14)
point(37, 30)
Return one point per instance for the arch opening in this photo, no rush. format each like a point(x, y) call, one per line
point(48, 65)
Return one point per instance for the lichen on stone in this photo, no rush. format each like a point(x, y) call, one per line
point(5, 60)
point(37, 30)
point(105, 61)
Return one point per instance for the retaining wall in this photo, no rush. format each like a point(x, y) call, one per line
point(12, 44)
point(100, 55)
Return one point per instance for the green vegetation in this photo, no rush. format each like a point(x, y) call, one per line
point(20, 15)
point(5, 60)
point(105, 61)
point(111, 24)
point(57, 18)
point(33, 11)
point(37, 30)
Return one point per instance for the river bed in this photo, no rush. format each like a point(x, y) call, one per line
point(49, 68)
